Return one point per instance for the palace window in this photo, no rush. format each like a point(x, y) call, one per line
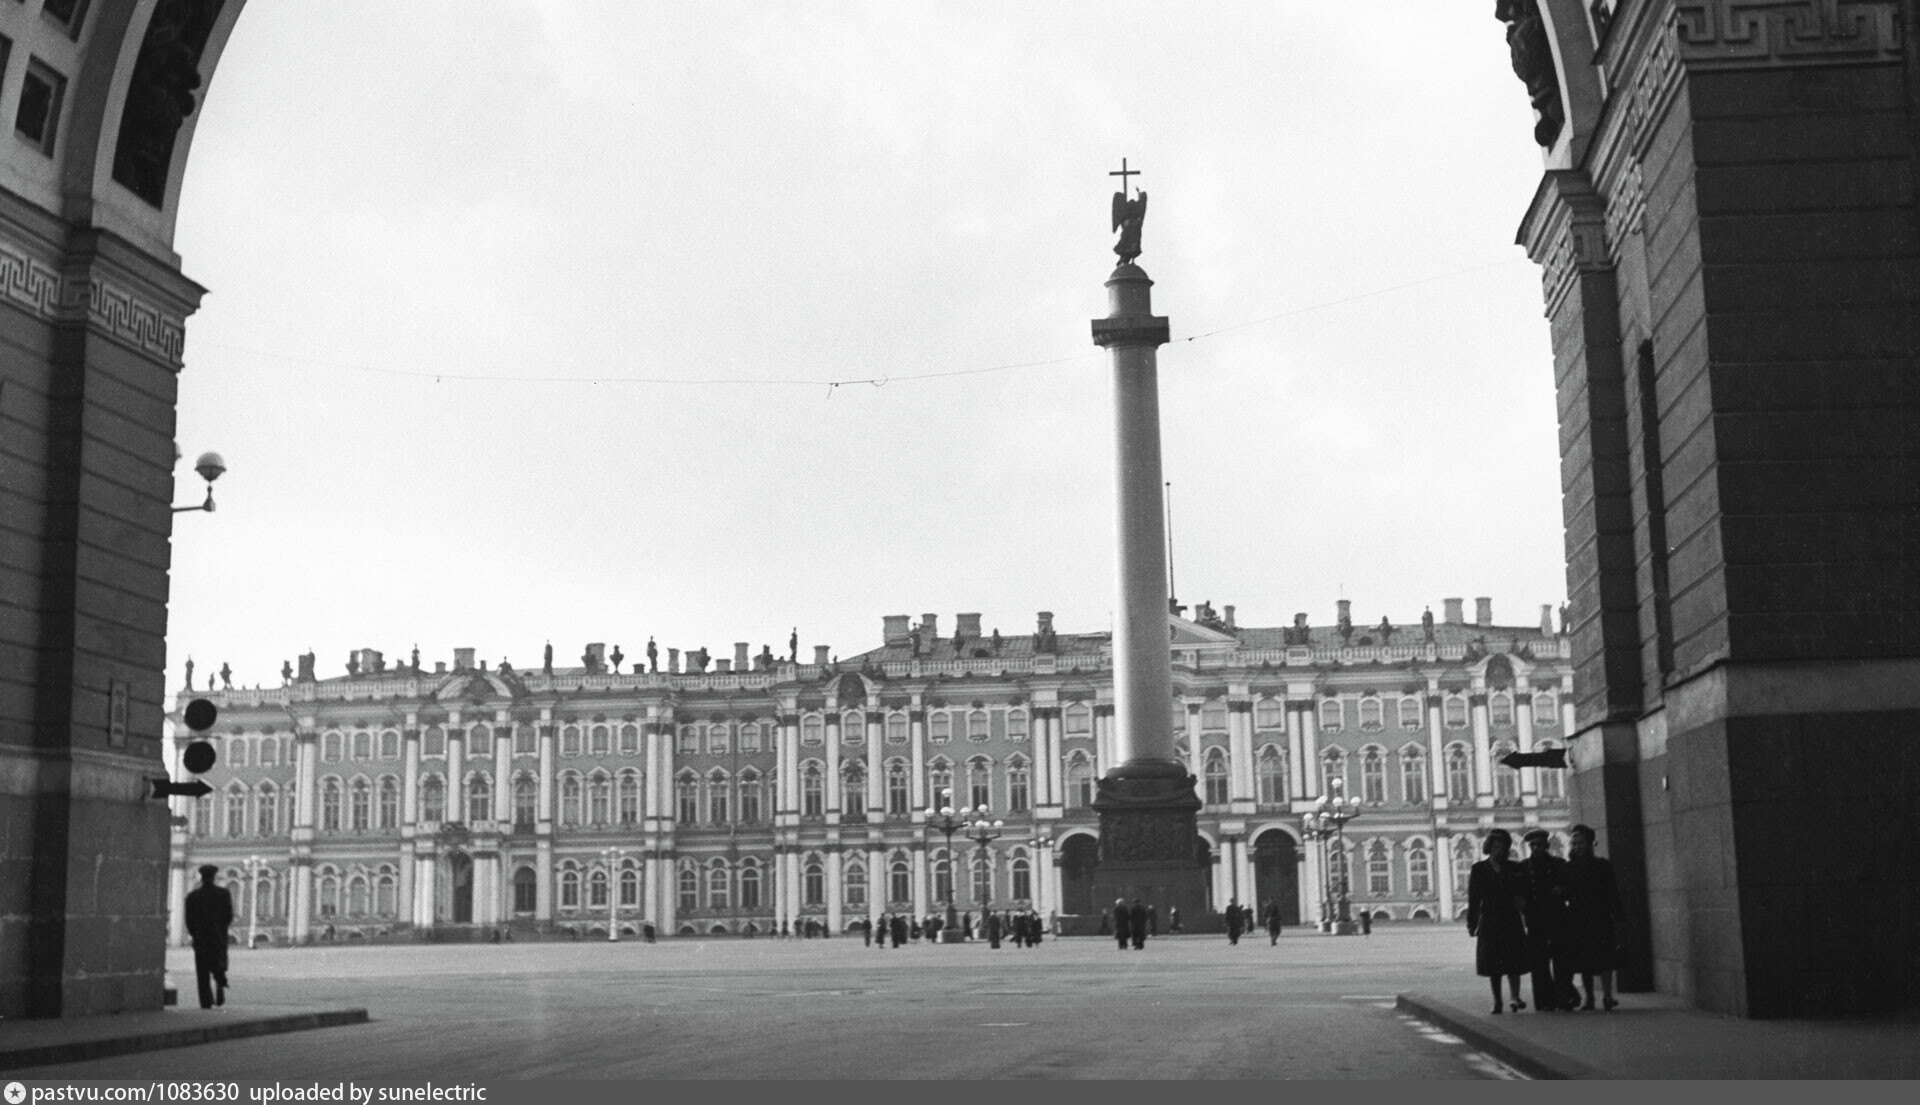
point(896, 728)
point(1022, 873)
point(1330, 715)
point(329, 894)
point(853, 788)
point(940, 727)
point(1016, 725)
point(266, 810)
point(1079, 782)
point(686, 791)
point(329, 748)
point(570, 800)
point(362, 807)
point(599, 799)
point(1333, 765)
point(525, 740)
point(237, 810)
point(1551, 781)
point(813, 881)
point(1213, 717)
point(813, 790)
point(1546, 710)
point(1077, 720)
point(853, 730)
point(749, 796)
point(629, 798)
point(750, 884)
point(362, 746)
point(899, 790)
point(1500, 710)
point(982, 879)
point(1506, 780)
point(979, 783)
point(853, 883)
point(526, 802)
point(811, 732)
point(717, 798)
point(1269, 713)
point(1019, 786)
point(1453, 712)
point(570, 740)
point(384, 893)
point(597, 889)
point(978, 728)
point(1216, 778)
point(1337, 861)
point(434, 741)
point(689, 888)
point(629, 740)
point(688, 742)
point(1272, 775)
point(264, 756)
point(720, 738)
point(719, 885)
point(479, 798)
point(1462, 865)
point(1373, 777)
point(1370, 714)
point(1459, 774)
point(1379, 870)
point(599, 740)
point(750, 736)
point(329, 807)
point(939, 784)
point(433, 799)
point(1419, 870)
point(942, 877)
point(390, 744)
point(899, 879)
point(569, 889)
point(526, 890)
point(1413, 774)
point(1410, 713)
point(629, 886)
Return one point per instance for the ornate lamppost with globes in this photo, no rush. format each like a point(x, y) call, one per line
point(614, 856)
point(254, 865)
point(942, 820)
point(983, 832)
point(1329, 819)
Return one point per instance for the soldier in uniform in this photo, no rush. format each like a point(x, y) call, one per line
point(209, 913)
point(1544, 882)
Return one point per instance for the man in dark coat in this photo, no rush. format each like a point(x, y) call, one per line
point(1594, 916)
point(993, 930)
point(1543, 905)
point(209, 913)
point(1233, 921)
point(1137, 921)
point(1272, 919)
point(1122, 922)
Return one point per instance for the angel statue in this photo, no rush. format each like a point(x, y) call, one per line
point(1128, 214)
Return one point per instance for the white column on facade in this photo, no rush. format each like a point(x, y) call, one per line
point(1296, 758)
point(177, 902)
point(1436, 747)
point(836, 887)
point(1315, 878)
point(1194, 759)
point(1043, 766)
point(410, 777)
point(456, 768)
point(1056, 757)
point(1523, 719)
point(543, 874)
point(669, 899)
point(833, 764)
point(425, 879)
point(1221, 890)
point(307, 748)
point(1443, 873)
point(876, 882)
point(545, 812)
point(922, 884)
point(795, 880)
point(1482, 748)
point(1566, 709)
point(503, 730)
point(1247, 889)
point(1310, 749)
point(876, 770)
point(650, 898)
point(917, 732)
point(1102, 738)
point(1240, 747)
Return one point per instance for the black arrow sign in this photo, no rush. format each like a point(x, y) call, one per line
point(1552, 757)
point(167, 788)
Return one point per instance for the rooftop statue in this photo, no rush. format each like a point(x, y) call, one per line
point(1128, 214)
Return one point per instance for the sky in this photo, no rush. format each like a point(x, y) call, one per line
point(571, 321)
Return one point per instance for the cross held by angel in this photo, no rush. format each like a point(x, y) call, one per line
point(1128, 214)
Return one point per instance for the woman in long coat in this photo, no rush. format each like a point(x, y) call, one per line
point(1594, 915)
point(1493, 918)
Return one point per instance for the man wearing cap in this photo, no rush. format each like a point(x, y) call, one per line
point(1543, 904)
point(209, 913)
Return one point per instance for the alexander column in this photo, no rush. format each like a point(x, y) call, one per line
point(1149, 847)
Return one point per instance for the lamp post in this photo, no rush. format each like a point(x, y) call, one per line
point(254, 866)
point(1314, 828)
point(1331, 813)
point(941, 819)
point(614, 856)
point(984, 832)
point(211, 467)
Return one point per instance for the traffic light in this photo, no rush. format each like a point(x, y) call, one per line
point(197, 757)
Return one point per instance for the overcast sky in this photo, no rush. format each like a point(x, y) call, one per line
point(524, 321)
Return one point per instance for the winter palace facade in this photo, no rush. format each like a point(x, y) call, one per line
point(744, 794)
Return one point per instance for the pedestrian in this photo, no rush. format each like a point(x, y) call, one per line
point(1173, 920)
point(1271, 915)
point(1106, 922)
point(646, 930)
point(1594, 916)
point(1137, 921)
point(1153, 920)
point(1121, 923)
point(1544, 909)
point(966, 925)
point(209, 914)
point(1366, 922)
point(1233, 921)
point(993, 931)
point(866, 932)
point(899, 930)
point(1495, 888)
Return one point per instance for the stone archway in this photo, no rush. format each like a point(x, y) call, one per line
point(1079, 857)
point(1276, 874)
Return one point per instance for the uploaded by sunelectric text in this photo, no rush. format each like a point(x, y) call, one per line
point(347, 1093)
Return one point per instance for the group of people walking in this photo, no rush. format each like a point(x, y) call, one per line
point(1023, 927)
point(1547, 917)
point(1240, 919)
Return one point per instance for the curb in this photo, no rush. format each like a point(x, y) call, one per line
point(79, 1051)
point(1510, 1048)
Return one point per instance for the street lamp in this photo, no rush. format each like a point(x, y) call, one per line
point(614, 857)
point(254, 865)
point(1313, 827)
point(210, 466)
point(1331, 813)
point(984, 832)
point(941, 819)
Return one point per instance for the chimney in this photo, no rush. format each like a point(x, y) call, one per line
point(820, 656)
point(722, 667)
point(439, 667)
point(1229, 609)
point(673, 661)
point(1045, 621)
point(740, 661)
point(967, 625)
point(597, 656)
point(1299, 621)
point(1453, 613)
point(370, 661)
point(894, 629)
point(1546, 619)
point(1483, 611)
point(1346, 612)
point(462, 659)
point(929, 626)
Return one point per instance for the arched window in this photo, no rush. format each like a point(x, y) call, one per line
point(853, 788)
point(1079, 782)
point(1459, 774)
point(813, 881)
point(689, 887)
point(357, 897)
point(264, 754)
point(939, 783)
point(899, 789)
point(629, 798)
point(433, 799)
point(1379, 869)
point(599, 798)
point(569, 888)
point(1463, 849)
point(1413, 774)
point(1272, 775)
point(479, 798)
point(853, 729)
point(629, 740)
point(385, 889)
point(942, 876)
point(688, 742)
point(686, 792)
point(1213, 716)
point(813, 790)
point(599, 741)
point(720, 738)
point(362, 805)
point(203, 815)
point(434, 741)
point(526, 740)
point(717, 804)
point(570, 740)
point(1016, 725)
point(1453, 712)
point(389, 816)
point(597, 888)
point(526, 890)
point(237, 752)
point(982, 868)
point(363, 746)
point(1500, 710)
point(899, 879)
point(329, 807)
point(750, 734)
point(1370, 713)
point(390, 744)
point(978, 728)
point(750, 884)
point(1337, 861)
point(237, 808)
point(629, 885)
point(1022, 876)
point(1333, 765)
point(1330, 716)
point(526, 802)
point(853, 882)
point(329, 894)
point(1216, 777)
point(896, 728)
point(267, 810)
point(719, 885)
point(1552, 782)
point(1019, 785)
point(979, 782)
point(939, 727)
point(1506, 780)
point(570, 799)
point(329, 748)
point(811, 730)
point(480, 742)
point(1419, 870)
point(1373, 776)
point(1546, 710)
point(749, 796)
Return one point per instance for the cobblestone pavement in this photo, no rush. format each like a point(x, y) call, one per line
point(1184, 1008)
